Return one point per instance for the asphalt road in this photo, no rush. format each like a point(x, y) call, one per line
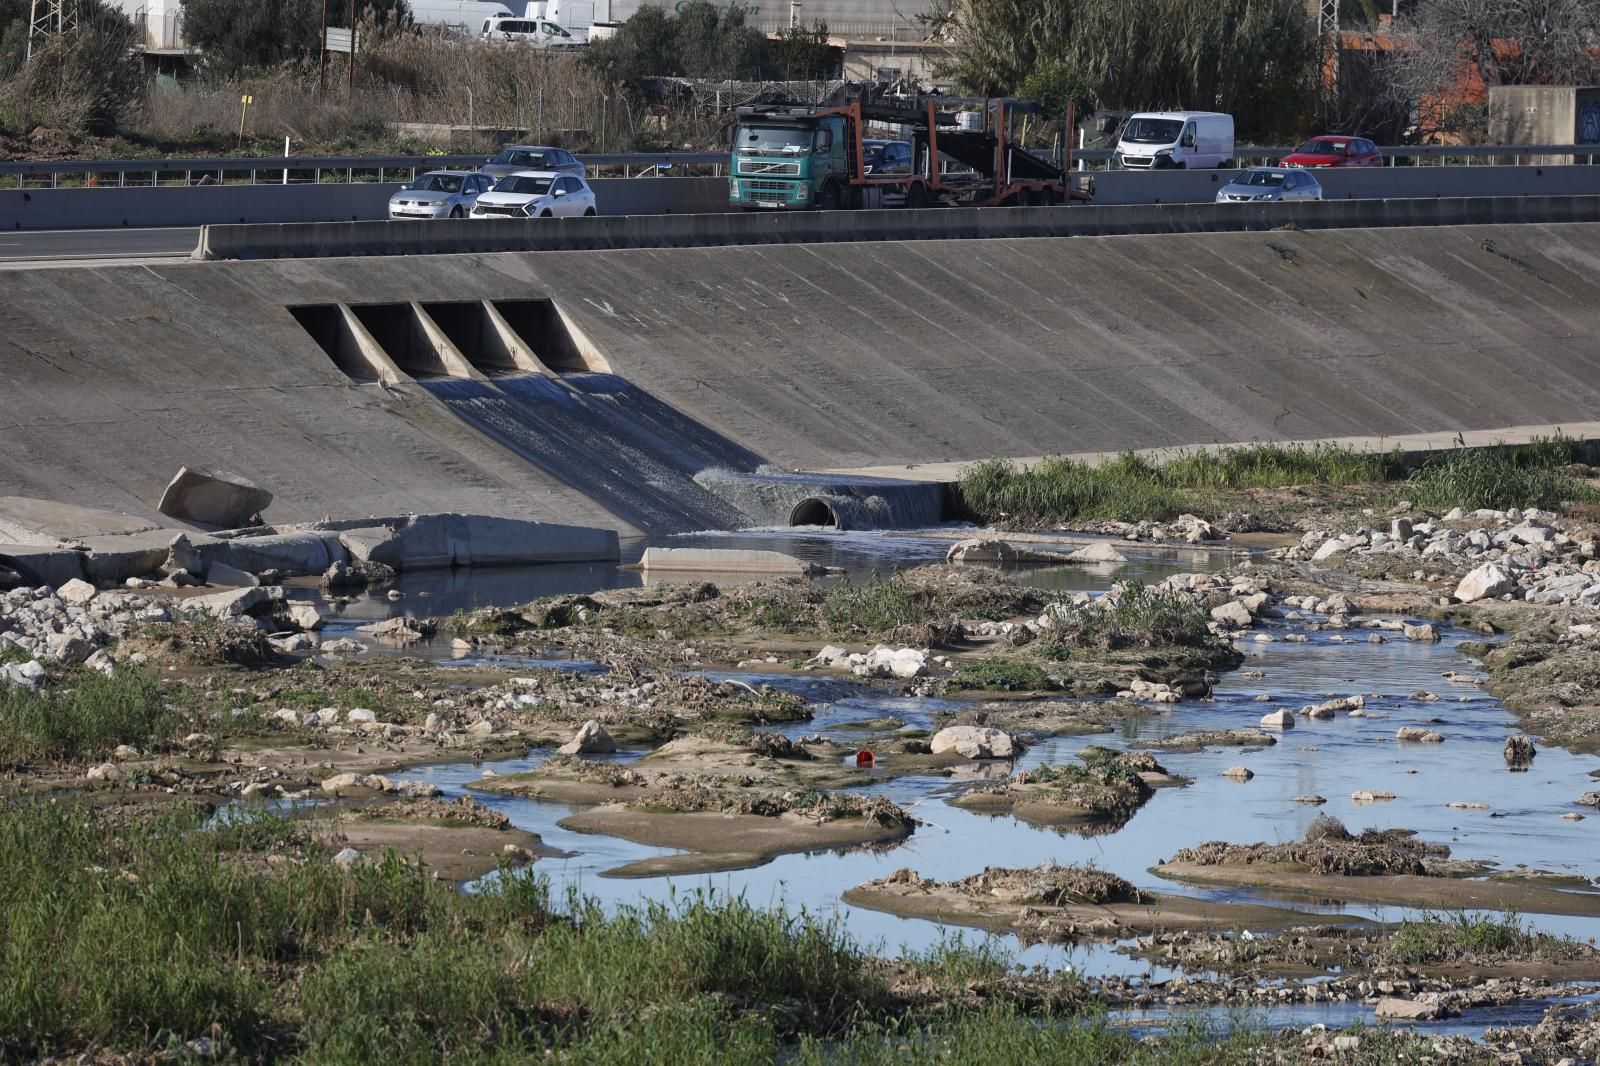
point(28, 246)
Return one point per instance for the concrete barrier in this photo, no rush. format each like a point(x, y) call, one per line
point(812, 227)
point(1114, 187)
point(196, 205)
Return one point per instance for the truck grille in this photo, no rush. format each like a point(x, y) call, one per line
point(768, 186)
point(747, 167)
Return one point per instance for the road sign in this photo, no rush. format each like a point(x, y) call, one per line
point(339, 40)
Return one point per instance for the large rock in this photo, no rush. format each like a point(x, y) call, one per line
point(973, 742)
point(233, 604)
point(304, 552)
point(592, 739)
point(995, 550)
point(437, 541)
point(216, 499)
point(1098, 553)
point(1233, 613)
point(225, 576)
point(1410, 1010)
point(1486, 581)
point(1329, 549)
point(1283, 719)
point(726, 561)
point(77, 593)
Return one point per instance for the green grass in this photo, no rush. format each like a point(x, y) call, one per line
point(1501, 478)
point(1009, 675)
point(157, 928)
point(85, 717)
point(1445, 938)
point(1130, 488)
point(1134, 615)
point(881, 604)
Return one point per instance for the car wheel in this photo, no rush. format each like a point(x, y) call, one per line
point(588, 212)
point(547, 213)
point(456, 212)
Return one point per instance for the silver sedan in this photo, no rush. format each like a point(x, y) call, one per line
point(439, 194)
point(1270, 184)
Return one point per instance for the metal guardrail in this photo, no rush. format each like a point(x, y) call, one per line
point(295, 170)
point(292, 170)
point(1403, 155)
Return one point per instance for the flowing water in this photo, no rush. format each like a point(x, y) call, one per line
point(1522, 824)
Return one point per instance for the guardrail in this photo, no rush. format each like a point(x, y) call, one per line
point(319, 170)
point(293, 170)
point(1404, 155)
point(316, 240)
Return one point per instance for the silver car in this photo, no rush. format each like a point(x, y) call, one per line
point(439, 194)
point(1270, 184)
point(516, 158)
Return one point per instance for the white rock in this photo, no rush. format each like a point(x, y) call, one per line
point(592, 739)
point(1329, 549)
point(342, 783)
point(77, 592)
point(1100, 552)
point(1486, 581)
point(1233, 613)
point(347, 857)
point(304, 616)
point(1283, 719)
point(1238, 773)
point(973, 742)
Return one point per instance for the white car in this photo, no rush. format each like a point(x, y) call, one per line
point(439, 194)
point(536, 194)
point(1271, 184)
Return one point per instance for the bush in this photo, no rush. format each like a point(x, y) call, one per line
point(1501, 478)
point(1132, 615)
point(84, 720)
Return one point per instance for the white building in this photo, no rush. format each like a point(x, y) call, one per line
point(159, 22)
point(845, 18)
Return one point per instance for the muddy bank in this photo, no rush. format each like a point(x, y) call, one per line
point(456, 842)
point(1059, 903)
point(1103, 790)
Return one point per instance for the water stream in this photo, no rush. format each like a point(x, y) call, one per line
point(1522, 823)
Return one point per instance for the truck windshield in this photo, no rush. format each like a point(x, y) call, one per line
point(1152, 130)
point(777, 140)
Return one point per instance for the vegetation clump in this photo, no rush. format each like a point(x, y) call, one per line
point(1476, 938)
point(1328, 848)
point(1131, 615)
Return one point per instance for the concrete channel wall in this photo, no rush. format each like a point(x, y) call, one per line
point(1374, 183)
point(817, 356)
point(195, 205)
point(694, 231)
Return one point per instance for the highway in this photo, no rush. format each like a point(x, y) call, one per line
point(28, 247)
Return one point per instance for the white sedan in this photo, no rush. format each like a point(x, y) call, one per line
point(536, 194)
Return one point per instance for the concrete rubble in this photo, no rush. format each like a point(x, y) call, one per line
point(726, 561)
point(215, 499)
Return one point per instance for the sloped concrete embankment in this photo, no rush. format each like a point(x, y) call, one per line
point(812, 356)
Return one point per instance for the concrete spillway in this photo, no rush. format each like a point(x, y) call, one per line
point(642, 477)
point(811, 356)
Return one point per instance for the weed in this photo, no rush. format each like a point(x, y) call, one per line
point(1501, 478)
point(1008, 674)
point(1445, 938)
point(85, 718)
point(875, 607)
point(1131, 615)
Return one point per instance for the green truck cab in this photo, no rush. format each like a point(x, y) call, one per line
point(788, 158)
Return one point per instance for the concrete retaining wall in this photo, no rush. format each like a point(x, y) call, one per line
point(101, 208)
point(818, 356)
point(693, 231)
point(1382, 183)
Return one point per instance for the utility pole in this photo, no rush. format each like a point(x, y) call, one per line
point(350, 83)
point(322, 55)
point(1328, 45)
point(49, 18)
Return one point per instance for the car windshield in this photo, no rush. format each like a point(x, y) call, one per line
point(782, 140)
point(873, 153)
point(532, 186)
point(1153, 130)
point(1324, 147)
point(520, 157)
point(1260, 177)
point(436, 183)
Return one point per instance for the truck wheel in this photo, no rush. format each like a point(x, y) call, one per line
point(916, 197)
point(829, 199)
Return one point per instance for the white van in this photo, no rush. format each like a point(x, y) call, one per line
point(1156, 140)
point(541, 33)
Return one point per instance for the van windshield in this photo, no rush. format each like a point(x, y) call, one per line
point(1152, 130)
point(779, 140)
point(1261, 177)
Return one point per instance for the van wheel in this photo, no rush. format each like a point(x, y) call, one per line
point(1226, 164)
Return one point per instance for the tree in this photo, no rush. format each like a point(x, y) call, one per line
point(237, 36)
point(801, 54)
point(701, 41)
point(1255, 59)
point(87, 81)
point(1451, 47)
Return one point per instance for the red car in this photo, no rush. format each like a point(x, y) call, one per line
point(1335, 152)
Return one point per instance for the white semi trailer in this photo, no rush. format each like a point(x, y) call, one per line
point(466, 16)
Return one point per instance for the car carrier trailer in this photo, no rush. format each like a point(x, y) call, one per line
point(797, 157)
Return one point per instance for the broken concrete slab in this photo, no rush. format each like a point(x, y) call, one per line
point(220, 573)
point(435, 541)
point(726, 561)
point(234, 603)
point(112, 559)
point(26, 520)
point(42, 565)
point(217, 499)
point(292, 552)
